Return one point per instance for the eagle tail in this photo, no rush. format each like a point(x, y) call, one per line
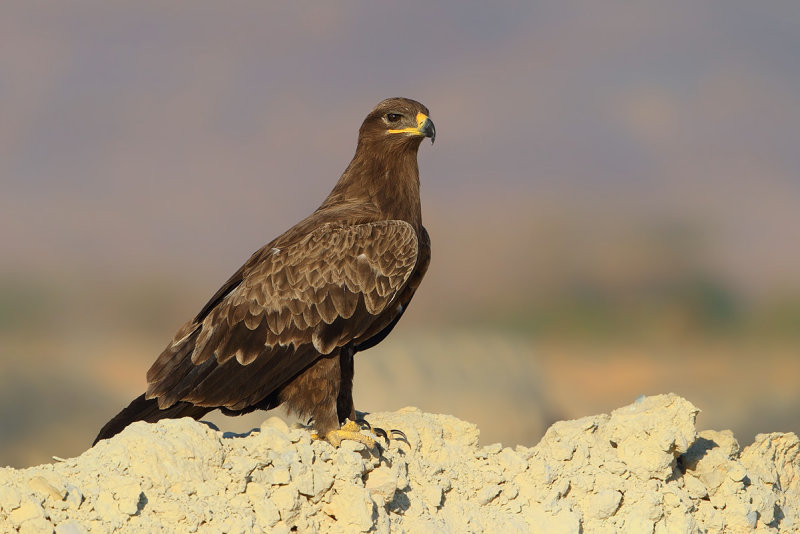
point(142, 409)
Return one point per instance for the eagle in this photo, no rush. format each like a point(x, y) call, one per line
point(284, 329)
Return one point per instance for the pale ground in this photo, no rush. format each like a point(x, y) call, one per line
point(644, 468)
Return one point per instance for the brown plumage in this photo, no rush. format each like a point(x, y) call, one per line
point(285, 327)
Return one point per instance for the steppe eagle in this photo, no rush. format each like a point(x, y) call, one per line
point(285, 327)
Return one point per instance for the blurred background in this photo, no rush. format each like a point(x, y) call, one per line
point(613, 199)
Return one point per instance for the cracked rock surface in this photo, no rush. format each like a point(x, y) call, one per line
point(643, 468)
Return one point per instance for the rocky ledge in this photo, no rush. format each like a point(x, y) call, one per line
point(644, 468)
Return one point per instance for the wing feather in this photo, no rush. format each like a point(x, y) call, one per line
point(291, 303)
point(327, 309)
point(252, 321)
point(365, 274)
point(343, 300)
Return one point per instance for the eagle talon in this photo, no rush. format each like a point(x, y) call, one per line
point(399, 435)
point(395, 434)
point(364, 424)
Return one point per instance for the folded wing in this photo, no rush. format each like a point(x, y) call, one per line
point(289, 305)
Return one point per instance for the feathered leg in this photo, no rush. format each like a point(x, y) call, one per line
point(344, 401)
point(311, 393)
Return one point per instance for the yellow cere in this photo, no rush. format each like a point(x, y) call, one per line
point(421, 118)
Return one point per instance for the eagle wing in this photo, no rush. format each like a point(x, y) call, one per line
point(286, 307)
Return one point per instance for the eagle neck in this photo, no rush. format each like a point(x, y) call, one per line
point(387, 182)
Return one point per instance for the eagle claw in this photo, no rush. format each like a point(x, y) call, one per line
point(398, 435)
point(364, 424)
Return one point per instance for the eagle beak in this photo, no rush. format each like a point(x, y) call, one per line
point(424, 128)
point(427, 128)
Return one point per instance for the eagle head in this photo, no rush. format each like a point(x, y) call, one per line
point(398, 121)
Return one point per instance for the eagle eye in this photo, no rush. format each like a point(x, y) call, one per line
point(393, 117)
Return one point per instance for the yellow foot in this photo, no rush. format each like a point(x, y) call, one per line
point(350, 430)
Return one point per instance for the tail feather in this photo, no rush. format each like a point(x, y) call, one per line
point(142, 409)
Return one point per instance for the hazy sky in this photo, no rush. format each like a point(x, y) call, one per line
point(147, 135)
point(148, 148)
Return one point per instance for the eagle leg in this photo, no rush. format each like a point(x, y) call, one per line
point(345, 408)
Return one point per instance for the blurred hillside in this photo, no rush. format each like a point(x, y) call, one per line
point(613, 199)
